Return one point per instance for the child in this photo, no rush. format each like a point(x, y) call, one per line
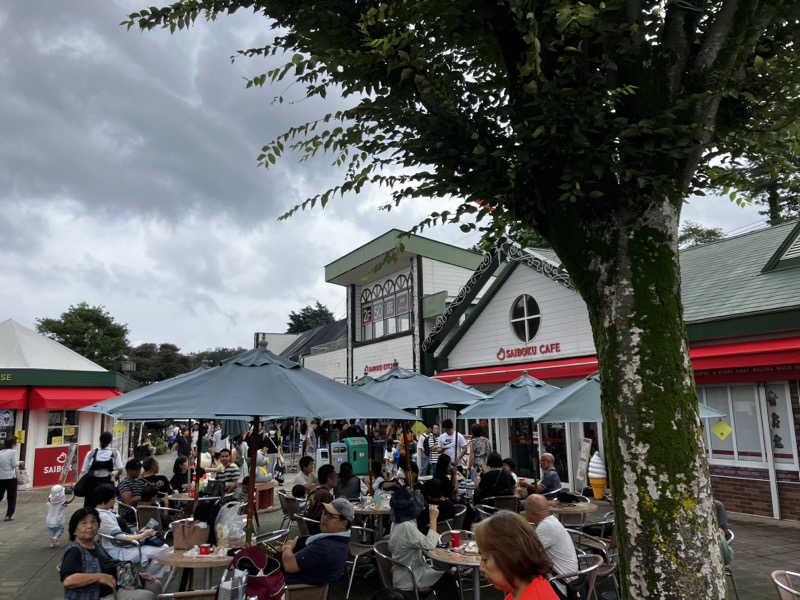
point(56, 513)
point(299, 492)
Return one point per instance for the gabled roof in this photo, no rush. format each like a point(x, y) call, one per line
point(332, 334)
point(725, 279)
point(355, 265)
point(23, 348)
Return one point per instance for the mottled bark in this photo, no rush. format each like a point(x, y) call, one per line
point(658, 472)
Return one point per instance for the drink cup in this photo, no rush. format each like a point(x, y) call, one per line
point(455, 539)
point(205, 549)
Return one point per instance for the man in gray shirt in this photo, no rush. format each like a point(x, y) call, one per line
point(555, 539)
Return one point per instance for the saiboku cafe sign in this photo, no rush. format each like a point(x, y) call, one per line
point(528, 351)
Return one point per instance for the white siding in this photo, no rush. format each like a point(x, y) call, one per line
point(438, 276)
point(382, 354)
point(565, 321)
point(330, 364)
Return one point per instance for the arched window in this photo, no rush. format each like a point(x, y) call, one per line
point(525, 317)
point(386, 308)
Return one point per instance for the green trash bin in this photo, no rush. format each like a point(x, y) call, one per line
point(358, 454)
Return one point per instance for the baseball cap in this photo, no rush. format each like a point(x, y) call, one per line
point(341, 507)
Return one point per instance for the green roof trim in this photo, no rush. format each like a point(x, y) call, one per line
point(771, 322)
point(501, 276)
point(413, 244)
point(53, 378)
point(434, 305)
point(776, 258)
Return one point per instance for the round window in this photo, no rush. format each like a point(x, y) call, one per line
point(525, 317)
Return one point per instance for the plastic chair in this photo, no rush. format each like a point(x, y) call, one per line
point(458, 518)
point(358, 547)
point(385, 564)
point(787, 584)
point(588, 564)
point(300, 591)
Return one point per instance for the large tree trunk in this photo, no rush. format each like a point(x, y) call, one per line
point(658, 472)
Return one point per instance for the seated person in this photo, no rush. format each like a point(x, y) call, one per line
point(550, 480)
point(227, 471)
point(240, 493)
point(554, 538)
point(299, 492)
point(511, 468)
point(130, 490)
point(306, 476)
point(322, 559)
point(349, 486)
point(407, 545)
point(86, 569)
point(321, 495)
point(180, 475)
point(161, 483)
point(495, 480)
point(433, 494)
point(105, 498)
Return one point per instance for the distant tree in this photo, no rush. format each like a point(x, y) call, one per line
point(91, 332)
point(694, 234)
point(309, 317)
point(212, 357)
point(158, 362)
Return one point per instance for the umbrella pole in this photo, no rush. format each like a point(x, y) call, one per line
point(405, 450)
point(370, 453)
point(252, 451)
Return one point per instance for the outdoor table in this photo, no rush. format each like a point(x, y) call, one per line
point(177, 559)
point(573, 508)
point(373, 514)
point(450, 557)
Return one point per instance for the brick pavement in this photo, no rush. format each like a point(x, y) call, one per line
point(29, 566)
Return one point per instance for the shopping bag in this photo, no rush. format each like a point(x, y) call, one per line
point(188, 533)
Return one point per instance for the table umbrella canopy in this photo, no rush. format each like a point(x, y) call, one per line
point(406, 389)
point(106, 405)
point(254, 383)
point(468, 388)
point(505, 403)
point(580, 403)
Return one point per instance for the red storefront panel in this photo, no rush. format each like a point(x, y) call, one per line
point(12, 397)
point(65, 398)
point(49, 462)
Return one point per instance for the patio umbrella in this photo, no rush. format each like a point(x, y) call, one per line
point(362, 381)
point(405, 389)
point(580, 403)
point(468, 388)
point(505, 403)
point(254, 383)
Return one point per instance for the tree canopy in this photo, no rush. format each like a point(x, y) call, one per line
point(309, 317)
point(91, 332)
point(695, 234)
point(590, 121)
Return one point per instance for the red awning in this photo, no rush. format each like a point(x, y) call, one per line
point(12, 397)
point(67, 398)
point(763, 360)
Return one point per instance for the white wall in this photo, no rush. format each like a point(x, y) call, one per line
point(383, 354)
point(331, 364)
point(565, 321)
point(438, 276)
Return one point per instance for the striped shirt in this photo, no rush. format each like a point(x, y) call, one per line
point(229, 474)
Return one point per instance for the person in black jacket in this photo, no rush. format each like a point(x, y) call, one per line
point(495, 481)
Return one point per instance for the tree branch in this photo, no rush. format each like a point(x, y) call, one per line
point(716, 37)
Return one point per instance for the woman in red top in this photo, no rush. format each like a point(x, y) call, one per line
point(512, 557)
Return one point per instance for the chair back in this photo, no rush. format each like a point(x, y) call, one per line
point(299, 591)
point(484, 511)
point(361, 539)
point(585, 576)
point(730, 536)
point(442, 526)
point(270, 537)
point(787, 588)
point(145, 513)
point(588, 543)
point(302, 524)
point(384, 560)
point(503, 503)
point(458, 518)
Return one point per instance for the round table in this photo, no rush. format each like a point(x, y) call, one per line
point(577, 508)
point(374, 515)
point(448, 556)
point(177, 559)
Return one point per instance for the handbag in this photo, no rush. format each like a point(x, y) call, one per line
point(128, 577)
point(22, 477)
point(265, 579)
point(88, 482)
point(188, 533)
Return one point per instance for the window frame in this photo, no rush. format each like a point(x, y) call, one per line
point(384, 293)
point(758, 399)
point(525, 318)
point(62, 426)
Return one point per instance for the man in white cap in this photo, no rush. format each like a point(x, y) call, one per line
point(322, 559)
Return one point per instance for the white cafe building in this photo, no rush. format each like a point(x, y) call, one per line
point(454, 314)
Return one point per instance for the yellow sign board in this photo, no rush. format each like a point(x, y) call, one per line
point(69, 431)
point(118, 429)
point(56, 441)
point(722, 430)
point(20, 435)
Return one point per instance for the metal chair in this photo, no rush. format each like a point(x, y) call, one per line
point(131, 508)
point(385, 564)
point(787, 584)
point(358, 547)
point(147, 512)
point(290, 506)
point(502, 502)
point(588, 564)
point(123, 543)
point(458, 518)
point(278, 535)
point(594, 545)
point(303, 523)
point(484, 511)
point(299, 591)
point(195, 595)
point(603, 528)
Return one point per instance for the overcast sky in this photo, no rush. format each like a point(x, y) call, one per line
point(128, 178)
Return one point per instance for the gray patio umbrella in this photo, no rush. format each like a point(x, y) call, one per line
point(505, 403)
point(468, 388)
point(254, 383)
point(580, 403)
point(405, 389)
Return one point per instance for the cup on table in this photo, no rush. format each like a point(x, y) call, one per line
point(205, 549)
point(455, 539)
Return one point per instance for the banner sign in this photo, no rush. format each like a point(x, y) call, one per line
point(49, 462)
